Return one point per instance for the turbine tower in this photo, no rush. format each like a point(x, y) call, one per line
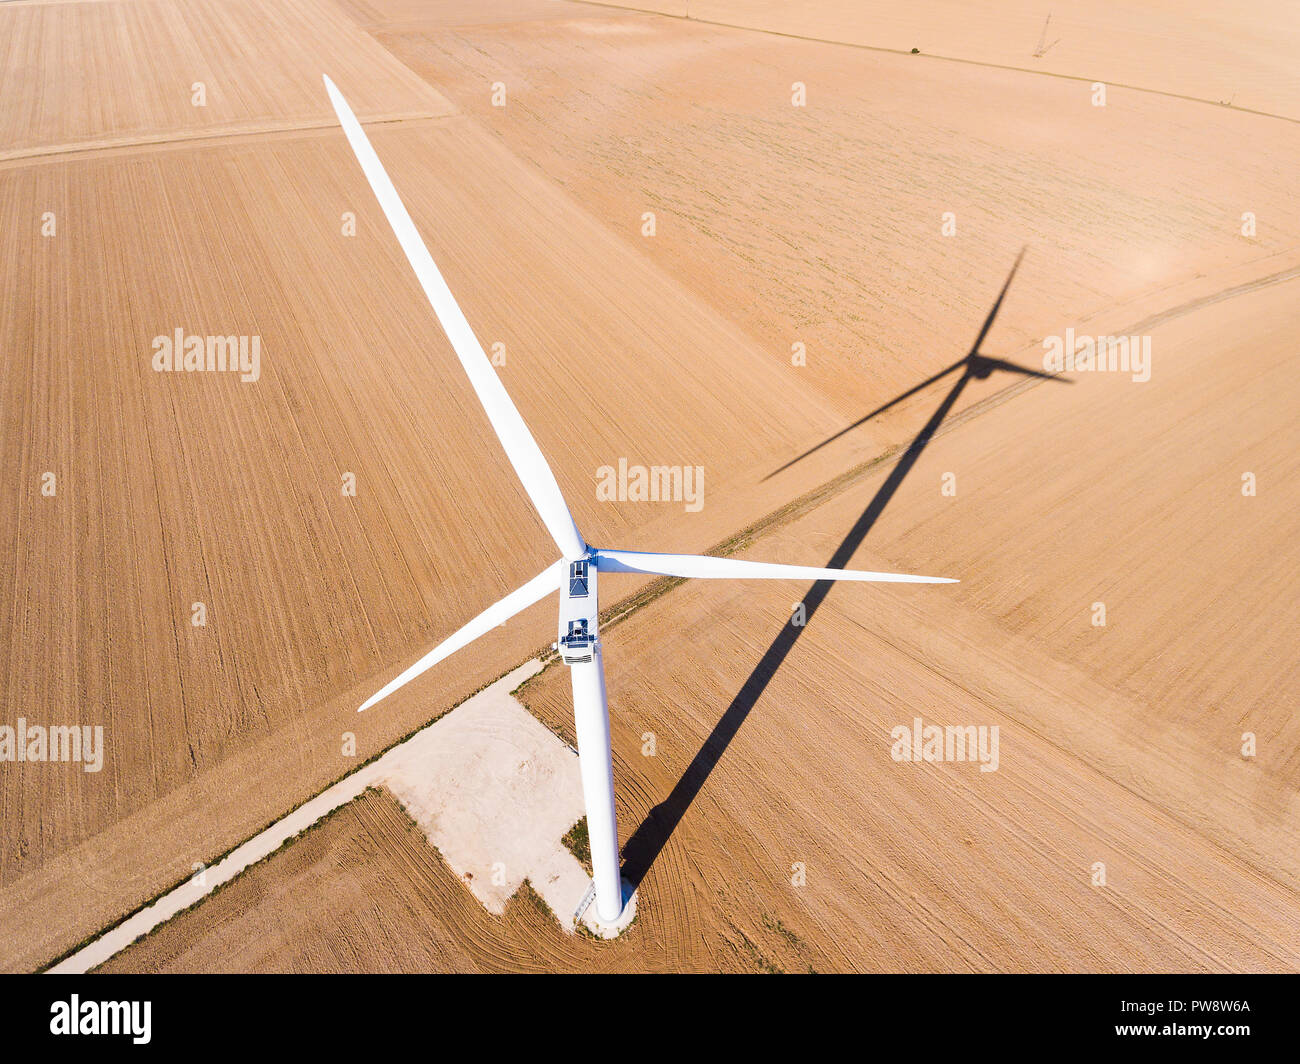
point(574, 575)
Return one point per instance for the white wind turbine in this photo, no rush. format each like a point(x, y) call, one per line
point(574, 574)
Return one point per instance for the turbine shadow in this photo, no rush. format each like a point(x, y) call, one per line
point(975, 365)
point(650, 837)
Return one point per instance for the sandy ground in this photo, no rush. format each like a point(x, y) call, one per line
point(1208, 50)
point(119, 72)
point(822, 225)
point(775, 224)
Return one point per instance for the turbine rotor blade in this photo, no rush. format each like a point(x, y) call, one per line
point(497, 614)
point(520, 447)
point(707, 567)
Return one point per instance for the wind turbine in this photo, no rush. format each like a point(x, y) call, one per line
point(574, 574)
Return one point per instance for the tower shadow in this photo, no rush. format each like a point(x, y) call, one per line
point(650, 837)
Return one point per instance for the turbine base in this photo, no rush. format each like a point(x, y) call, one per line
point(590, 919)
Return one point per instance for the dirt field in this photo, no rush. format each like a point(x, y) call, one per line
point(125, 72)
point(773, 744)
point(1204, 49)
point(774, 225)
point(823, 225)
point(173, 489)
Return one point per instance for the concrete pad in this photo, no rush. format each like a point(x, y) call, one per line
point(495, 791)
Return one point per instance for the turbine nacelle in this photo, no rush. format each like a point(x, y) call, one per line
point(579, 612)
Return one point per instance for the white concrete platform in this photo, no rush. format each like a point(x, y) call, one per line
point(496, 791)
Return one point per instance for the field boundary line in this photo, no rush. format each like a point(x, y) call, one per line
point(132, 145)
point(945, 58)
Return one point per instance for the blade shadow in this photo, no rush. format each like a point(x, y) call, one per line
point(867, 417)
point(975, 365)
point(981, 367)
point(652, 835)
